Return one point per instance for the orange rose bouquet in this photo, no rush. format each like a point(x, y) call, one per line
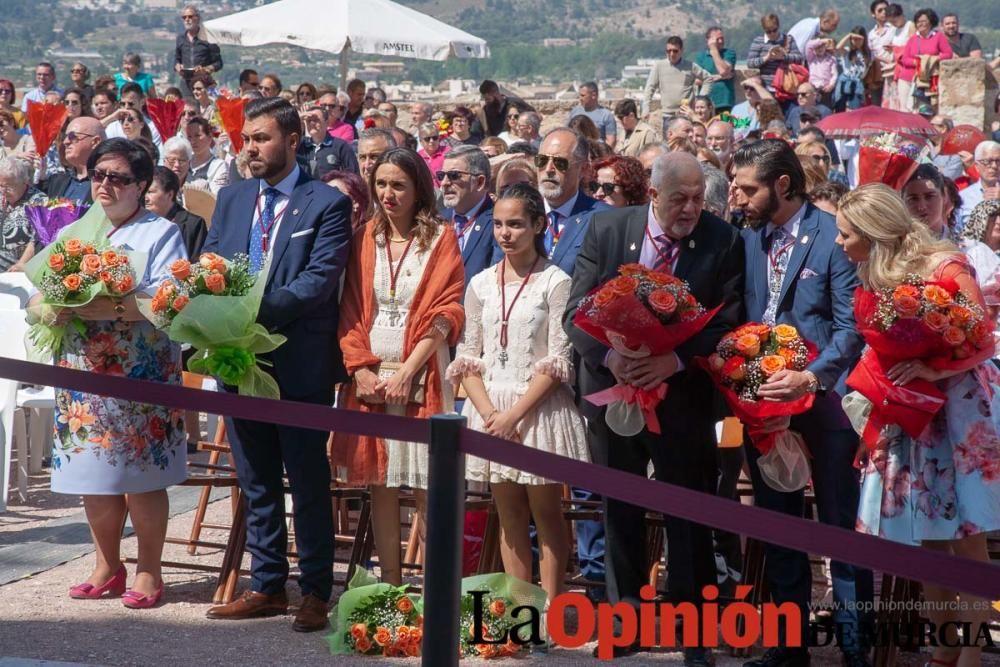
point(212, 305)
point(932, 321)
point(376, 619)
point(639, 313)
point(488, 601)
point(743, 360)
point(78, 267)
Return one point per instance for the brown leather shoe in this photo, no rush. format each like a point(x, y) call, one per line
point(312, 615)
point(251, 605)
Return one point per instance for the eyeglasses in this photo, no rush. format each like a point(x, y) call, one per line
point(673, 50)
point(430, 137)
point(9, 91)
point(990, 162)
point(99, 176)
point(175, 161)
point(73, 137)
point(820, 158)
point(71, 103)
point(805, 94)
point(452, 175)
point(542, 161)
point(607, 188)
point(129, 120)
point(78, 70)
point(513, 116)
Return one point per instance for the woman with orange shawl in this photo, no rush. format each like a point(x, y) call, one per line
point(398, 318)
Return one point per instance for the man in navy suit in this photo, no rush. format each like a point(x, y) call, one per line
point(798, 275)
point(299, 230)
point(465, 190)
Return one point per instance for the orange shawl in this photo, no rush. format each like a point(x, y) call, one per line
point(439, 294)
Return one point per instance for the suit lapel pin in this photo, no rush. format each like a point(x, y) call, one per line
point(691, 244)
point(477, 228)
point(805, 240)
point(632, 247)
point(577, 221)
point(295, 211)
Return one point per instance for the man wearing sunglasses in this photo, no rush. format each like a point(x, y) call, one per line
point(672, 234)
point(465, 188)
point(249, 81)
point(192, 54)
point(82, 136)
point(806, 97)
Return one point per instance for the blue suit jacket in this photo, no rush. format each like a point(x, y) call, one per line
point(300, 299)
point(574, 230)
point(816, 297)
point(480, 244)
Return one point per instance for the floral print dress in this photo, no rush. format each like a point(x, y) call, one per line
point(107, 446)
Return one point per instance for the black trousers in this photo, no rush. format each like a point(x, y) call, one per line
point(686, 459)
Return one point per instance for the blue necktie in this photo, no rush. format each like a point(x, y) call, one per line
point(257, 252)
point(552, 231)
point(459, 222)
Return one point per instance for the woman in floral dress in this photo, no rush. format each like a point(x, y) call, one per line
point(942, 489)
point(519, 380)
point(120, 455)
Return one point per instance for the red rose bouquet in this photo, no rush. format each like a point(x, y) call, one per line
point(930, 321)
point(744, 359)
point(639, 313)
point(887, 158)
point(212, 305)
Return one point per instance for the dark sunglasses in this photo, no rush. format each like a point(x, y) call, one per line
point(74, 137)
point(820, 158)
point(116, 180)
point(431, 137)
point(607, 188)
point(9, 91)
point(542, 161)
point(453, 175)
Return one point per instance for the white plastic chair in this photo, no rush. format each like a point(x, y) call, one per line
point(16, 400)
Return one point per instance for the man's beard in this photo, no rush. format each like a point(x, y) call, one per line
point(549, 190)
point(270, 169)
point(765, 216)
point(451, 200)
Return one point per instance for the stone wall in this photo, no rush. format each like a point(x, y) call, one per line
point(967, 91)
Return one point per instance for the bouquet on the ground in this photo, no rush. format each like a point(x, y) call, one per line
point(930, 321)
point(74, 270)
point(49, 218)
point(492, 598)
point(212, 305)
point(887, 158)
point(639, 313)
point(744, 360)
point(371, 618)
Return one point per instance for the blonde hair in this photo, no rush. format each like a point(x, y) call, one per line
point(900, 244)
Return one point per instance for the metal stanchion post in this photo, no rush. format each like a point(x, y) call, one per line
point(443, 561)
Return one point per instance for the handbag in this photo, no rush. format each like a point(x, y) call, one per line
point(387, 369)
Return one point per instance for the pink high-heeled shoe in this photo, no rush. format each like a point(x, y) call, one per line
point(115, 586)
point(137, 600)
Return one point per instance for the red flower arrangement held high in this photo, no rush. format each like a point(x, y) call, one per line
point(744, 360)
point(931, 321)
point(639, 313)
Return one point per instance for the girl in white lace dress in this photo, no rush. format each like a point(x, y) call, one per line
point(519, 381)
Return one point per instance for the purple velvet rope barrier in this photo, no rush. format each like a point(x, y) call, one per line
point(980, 579)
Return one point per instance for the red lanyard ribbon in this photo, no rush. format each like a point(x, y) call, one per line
point(394, 275)
point(504, 311)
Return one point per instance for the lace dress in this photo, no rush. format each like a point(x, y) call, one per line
point(407, 461)
point(536, 344)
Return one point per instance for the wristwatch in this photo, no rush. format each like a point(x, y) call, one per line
point(813, 386)
point(119, 308)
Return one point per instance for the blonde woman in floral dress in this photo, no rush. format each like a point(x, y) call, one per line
point(942, 489)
